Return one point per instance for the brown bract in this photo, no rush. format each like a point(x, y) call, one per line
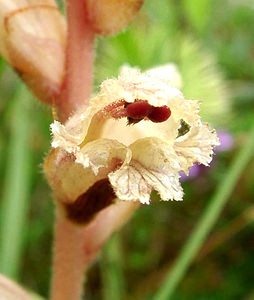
point(111, 16)
point(9, 290)
point(32, 40)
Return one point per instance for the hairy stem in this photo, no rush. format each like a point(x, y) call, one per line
point(77, 246)
point(77, 85)
point(68, 263)
point(69, 260)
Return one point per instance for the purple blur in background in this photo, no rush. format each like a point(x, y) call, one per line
point(226, 144)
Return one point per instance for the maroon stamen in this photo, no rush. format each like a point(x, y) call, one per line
point(159, 114)
point(138, 110)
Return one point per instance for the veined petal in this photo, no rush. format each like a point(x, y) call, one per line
point(129, 184)
point(196, 146)
point(154, 166)
point(136, 182)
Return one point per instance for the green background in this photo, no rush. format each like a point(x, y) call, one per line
point(212, 42)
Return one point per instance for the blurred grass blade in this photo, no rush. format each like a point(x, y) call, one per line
point(203, 80)
point(198, 12)
point(16, 189)
point(111, 270)
point(207, 220)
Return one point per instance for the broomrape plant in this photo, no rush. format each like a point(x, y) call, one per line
point(110, 150)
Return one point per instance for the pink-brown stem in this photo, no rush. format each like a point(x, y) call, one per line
point(68, 262)
point(77, 85)
point(69, 259)
point(106, 222)
point(77, 246)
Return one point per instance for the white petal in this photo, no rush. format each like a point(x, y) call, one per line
point(62, 138)
point(165, 183)
point(135, 182)
point(132, 85)
point(129, 185)
point(187, 110)
point(168, 73)
point(103, 153)
point(159, 165)
point(155, 153)
point(196, 146)
point(73, 133)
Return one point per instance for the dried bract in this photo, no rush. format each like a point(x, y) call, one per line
point(32, 40)
point(111, 16)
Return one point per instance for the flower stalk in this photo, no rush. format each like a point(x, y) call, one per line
point(77, 85)
point(68, 261)
point(76, 247)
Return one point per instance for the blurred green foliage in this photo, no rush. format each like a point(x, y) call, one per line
point(212, 42)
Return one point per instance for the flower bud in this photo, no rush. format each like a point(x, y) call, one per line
point(32, 40)
point(111, 16)
point(11, 291)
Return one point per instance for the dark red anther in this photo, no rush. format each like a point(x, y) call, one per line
point(138, 110)
point(159, 114)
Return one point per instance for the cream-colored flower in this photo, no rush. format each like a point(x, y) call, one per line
point(32, 40)
point(138, 133)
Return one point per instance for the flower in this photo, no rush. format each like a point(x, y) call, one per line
point(32, 40)
point(135, 136)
